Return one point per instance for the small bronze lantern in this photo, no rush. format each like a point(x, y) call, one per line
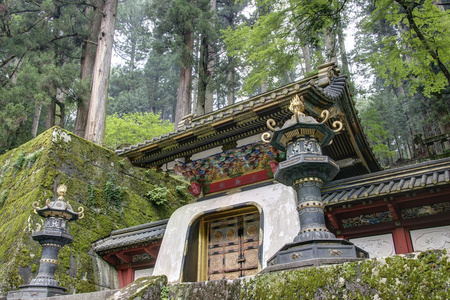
point(306, 169)
point(52, 238)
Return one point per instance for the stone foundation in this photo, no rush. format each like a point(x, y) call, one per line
point(412, 276)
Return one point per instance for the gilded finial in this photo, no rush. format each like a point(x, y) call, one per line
point(61, 190)
point(297, 106)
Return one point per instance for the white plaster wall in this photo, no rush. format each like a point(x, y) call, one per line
point(249, 140)
point(431, 238)
point(143, 273)
point(281, 224)
point(381, 245)
point(206, 153)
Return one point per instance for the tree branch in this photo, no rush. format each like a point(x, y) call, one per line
point(423, 40)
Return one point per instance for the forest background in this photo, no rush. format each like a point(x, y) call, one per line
point(196, 56)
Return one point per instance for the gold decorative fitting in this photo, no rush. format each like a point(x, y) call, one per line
point(271, 123)
point(48, 260)
point(265, 137)
point(313, 229)
point(35, 206)
point(297, 107)
point(338, 125)
point(307, 204)
point(80, 212)
point(61, 190)
point(325, 114)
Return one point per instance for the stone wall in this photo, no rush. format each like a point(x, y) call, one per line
point(114, 195)
point(413, 276)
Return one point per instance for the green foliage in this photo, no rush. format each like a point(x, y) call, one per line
point(280, 30)
point(420, 31)
point(152, 88)
point(91, 192)
point(22, 161)
point(181, 190)
point(39, 58)
point(113, 193)
point(158, 196)
point(375, 128)
point(132, 36)
point(134, 128)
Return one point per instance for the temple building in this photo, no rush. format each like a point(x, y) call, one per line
point(243, 216)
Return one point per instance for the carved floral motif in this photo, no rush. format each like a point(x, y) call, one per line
point(379, 217)
point(427, 210)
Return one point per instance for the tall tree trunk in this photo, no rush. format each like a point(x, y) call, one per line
point(95, 126)
point(36, 117)
point(343, 52)
point(202, 77)
point(264, 86)
point(230, 81)
point(87, 66)
point(211, 62)
point(183, 107)
point(307, 59)
point(230, 70)
point(400, 91)
point(51, 110)
point(330, 47)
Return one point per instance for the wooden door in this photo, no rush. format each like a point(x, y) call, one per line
point(233, 247)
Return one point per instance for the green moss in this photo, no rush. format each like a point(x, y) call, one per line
point(418, 276)
point(32, 172)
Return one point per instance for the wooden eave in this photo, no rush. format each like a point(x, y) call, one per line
point(248, 118)
point(409, 180)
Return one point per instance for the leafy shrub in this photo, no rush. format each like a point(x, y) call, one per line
point(113, 192)
point(158, 196)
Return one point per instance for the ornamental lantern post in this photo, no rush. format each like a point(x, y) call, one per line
point(306, 169)
point(52, 238)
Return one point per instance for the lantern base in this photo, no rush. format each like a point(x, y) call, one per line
point(36, 292)
point(314, 253)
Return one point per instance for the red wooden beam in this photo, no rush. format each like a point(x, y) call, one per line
point(393, 210)
point(153, 250)
point(111, 259)
point(333, 220)
point(126, 258)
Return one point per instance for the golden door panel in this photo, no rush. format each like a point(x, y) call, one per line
point(232, 250)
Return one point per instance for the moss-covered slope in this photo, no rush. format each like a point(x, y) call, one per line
point(112, 192)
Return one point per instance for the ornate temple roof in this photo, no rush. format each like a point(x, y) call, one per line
point(132, 236)
point(324, 90)
point(408, 179)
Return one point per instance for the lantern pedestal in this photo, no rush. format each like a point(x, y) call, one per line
point(306, 169)
point(52, 238)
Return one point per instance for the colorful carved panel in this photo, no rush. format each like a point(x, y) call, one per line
point(427, 210)
point(379, 217)
point(230, 168)
point(233, 247)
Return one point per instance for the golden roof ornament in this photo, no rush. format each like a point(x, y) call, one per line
point(61, 191)
point(297, 106)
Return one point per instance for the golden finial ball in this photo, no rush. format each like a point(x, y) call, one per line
point(61, 190)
